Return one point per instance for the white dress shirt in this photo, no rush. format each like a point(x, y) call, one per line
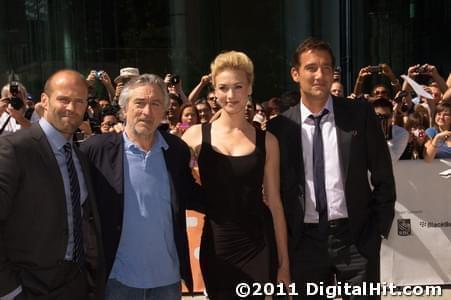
point(336, 203)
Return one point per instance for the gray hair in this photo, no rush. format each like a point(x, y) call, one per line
point(22, 89)
point(144, 79)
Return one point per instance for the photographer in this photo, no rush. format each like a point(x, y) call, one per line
point(174, 85)
point(396, 136)
point(12, 108)
point(381, 69)
point(104, 79)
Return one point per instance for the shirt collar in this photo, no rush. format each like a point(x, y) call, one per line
point(160, 143)
point(305, 112)
point(55, 138)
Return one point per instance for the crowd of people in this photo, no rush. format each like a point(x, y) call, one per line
point(416, 125)
point(285, 194)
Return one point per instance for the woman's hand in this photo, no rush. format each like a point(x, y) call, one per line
point(442, 136)
point(283, 275)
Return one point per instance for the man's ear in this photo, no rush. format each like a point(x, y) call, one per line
point(294, 74)
point(45, 101)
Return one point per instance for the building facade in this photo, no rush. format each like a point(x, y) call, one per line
point(38, 37)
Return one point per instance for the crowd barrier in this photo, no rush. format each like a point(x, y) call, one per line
point(418, 250)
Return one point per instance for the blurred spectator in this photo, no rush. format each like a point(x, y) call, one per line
point(188, 116)
point(249, 111)
point(174, 86)
point(203, 110)
point(337, 89)
point(396, 136)
point(108, 121)
point(380, 90)
point(125, 74)
point(337, 74)
point(104, 103)
point(212, 100)
point(104, 79)
point(272, 107)
point(173, 110)
point(13, 109)
point(417, 137)
point(260, 117)
point(438, 144)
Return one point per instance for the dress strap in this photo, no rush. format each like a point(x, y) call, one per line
point(206, 133)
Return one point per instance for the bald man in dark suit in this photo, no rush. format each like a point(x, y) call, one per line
point(49, 228)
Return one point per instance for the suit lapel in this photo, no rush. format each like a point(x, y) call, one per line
point(171, 167)
point(294, 114)
point(49, 160)
point(345, 132)
point(117, 162)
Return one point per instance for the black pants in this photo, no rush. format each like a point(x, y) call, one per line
point(326, 259)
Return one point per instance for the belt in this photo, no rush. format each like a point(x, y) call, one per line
point(332, 224)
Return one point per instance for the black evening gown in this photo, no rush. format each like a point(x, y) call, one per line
point(238, 243)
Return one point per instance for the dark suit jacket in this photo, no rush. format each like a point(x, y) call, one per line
point(33, 218)
point(106, 155)
point(362, 148)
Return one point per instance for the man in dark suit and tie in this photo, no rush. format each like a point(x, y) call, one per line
point(50, 246)
point(143, 185)
point(336, 177)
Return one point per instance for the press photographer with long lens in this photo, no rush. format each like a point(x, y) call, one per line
point(12, 108)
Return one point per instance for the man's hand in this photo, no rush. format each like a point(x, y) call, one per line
point(387, 71)
point(105, 78)
point(91, 79)
point(4, 102)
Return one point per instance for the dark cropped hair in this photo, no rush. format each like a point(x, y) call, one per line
point(382, 102)
point(311, 43)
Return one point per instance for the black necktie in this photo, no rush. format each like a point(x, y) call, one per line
point(76, 207)
point(319, 172)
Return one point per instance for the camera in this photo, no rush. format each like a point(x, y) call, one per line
point(422, 69)
point(99, 73)
point(374, 69)
point(14, 100)
point(174, 79)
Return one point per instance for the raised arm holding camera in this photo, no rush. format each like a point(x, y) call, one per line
point(174, 85)
point(104, 78)
point(195, 93)
point(382, 69)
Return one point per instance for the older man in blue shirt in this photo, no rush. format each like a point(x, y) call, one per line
point(143, 185)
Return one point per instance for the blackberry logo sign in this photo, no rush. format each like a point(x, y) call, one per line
point(404, 228)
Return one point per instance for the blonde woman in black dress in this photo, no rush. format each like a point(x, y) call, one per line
point(244, 238)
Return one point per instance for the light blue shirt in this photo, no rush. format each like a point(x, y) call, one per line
point(147, 255)
point(57, 141)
